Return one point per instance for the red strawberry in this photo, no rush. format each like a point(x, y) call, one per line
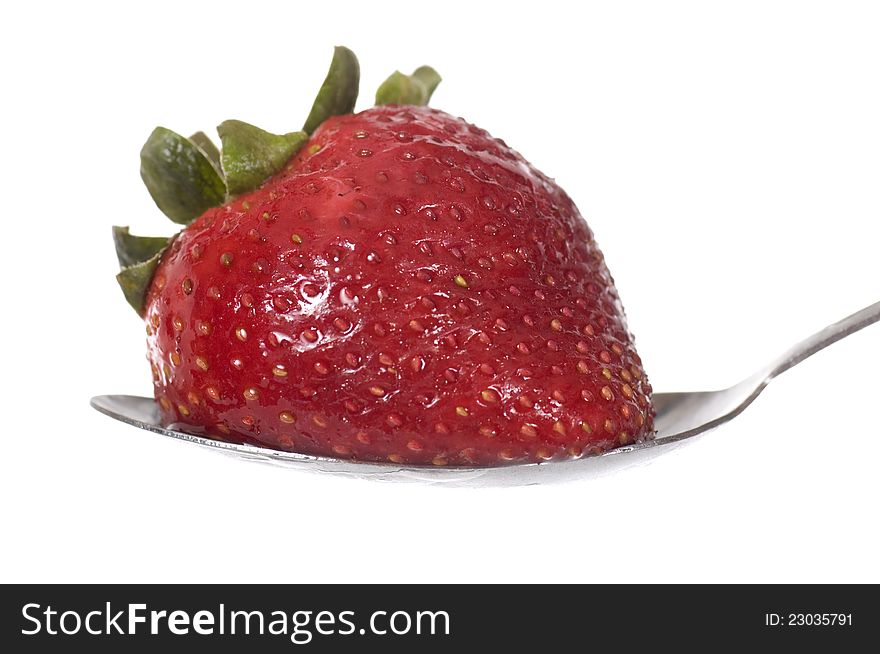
point(408, 289)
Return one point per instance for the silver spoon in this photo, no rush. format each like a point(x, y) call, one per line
point(679, 416)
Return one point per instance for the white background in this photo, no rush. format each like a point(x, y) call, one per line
point(727, 155)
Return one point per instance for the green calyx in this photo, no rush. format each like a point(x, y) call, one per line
point(138, 257)
point(204, 142)
point(132, 250)
point(188, 176)
point(252, 155)
point(415, 89)
point(179, 175)
point(339, 91)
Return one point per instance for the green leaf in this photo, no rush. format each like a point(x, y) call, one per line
point(132, 250)
point(180, 177)
point(400, 89)
point(206, 145)
point(135, 280)
point(252, 155)
point(339, 91)
point(415, 89)
point(429, 78)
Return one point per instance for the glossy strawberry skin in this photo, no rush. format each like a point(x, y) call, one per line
point(408, 289)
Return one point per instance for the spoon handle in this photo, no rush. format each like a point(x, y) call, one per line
point(823, 338)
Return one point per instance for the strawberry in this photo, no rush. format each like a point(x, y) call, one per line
point(398, 286)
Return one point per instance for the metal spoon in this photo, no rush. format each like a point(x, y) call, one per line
point(679, 416)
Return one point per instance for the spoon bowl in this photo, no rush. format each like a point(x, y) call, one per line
point(679, 416)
